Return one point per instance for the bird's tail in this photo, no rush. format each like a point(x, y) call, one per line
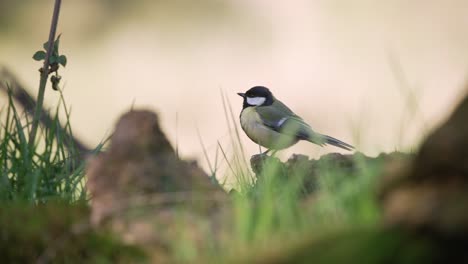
point(336, 142)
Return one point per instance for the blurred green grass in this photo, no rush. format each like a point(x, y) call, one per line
point(50, 169)
point(270, 211)
point(271, 216)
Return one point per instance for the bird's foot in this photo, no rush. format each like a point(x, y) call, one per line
point(259, 161)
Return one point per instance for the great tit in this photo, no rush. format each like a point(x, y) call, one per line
point(271, 124)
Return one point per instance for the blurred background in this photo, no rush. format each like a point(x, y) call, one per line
point(377, 74)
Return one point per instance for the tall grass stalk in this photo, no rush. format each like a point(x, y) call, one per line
point(239, 165)
point(411, 109)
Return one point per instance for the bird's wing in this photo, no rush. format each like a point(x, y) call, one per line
point(281, 119)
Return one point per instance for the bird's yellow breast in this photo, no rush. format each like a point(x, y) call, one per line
point(253, 126)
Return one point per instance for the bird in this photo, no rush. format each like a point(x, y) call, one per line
point(271, 124)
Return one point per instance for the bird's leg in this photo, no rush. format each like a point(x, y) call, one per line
point(273, 152)
point(263, 153)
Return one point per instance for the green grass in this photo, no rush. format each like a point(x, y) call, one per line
point(273, 209)
point(273, 216)
point(269, 212)
point(47, 170)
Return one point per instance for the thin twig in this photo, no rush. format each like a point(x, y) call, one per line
point(44, 74)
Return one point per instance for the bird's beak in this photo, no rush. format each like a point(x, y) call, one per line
point(241, 94)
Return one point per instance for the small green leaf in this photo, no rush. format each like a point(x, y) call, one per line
point(39, 55)
point(45, 45)
point(62, 60)
point(52, 59)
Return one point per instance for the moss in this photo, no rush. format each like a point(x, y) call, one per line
point(59, 233)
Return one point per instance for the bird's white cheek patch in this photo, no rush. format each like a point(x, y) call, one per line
point(256, 100)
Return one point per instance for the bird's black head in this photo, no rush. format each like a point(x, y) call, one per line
point(257, 96)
